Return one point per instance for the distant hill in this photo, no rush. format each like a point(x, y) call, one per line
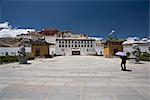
point(14, 42)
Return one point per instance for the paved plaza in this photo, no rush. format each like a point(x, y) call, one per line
point(75, 78)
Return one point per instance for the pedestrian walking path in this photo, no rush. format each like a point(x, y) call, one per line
point(75, 78)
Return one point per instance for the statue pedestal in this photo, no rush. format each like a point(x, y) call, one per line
point(22, 60)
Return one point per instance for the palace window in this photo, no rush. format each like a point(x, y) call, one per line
point(75, 42)
point(84, 42)
point(59, 42)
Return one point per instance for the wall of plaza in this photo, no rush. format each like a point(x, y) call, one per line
point(67, 46)
point(144, 47)
point(12, 50)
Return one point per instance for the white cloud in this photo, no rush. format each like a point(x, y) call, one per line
point(4, 25)
point(7, 31)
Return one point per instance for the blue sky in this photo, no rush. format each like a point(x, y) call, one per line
point(95, 18)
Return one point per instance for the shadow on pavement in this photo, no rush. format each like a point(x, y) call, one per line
point(128, 70)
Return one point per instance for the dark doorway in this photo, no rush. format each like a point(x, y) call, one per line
point(37, 52)
point(75, 52)
point(115, 51)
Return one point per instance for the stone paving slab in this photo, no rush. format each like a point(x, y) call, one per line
point(75, 78)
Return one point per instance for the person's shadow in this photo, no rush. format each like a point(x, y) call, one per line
point(128, 70)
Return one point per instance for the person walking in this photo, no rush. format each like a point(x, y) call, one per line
point(123, 63)
point(123, 57)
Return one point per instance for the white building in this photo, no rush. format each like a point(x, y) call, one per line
point(50, 36)
point(75, 46)
point(99, 46)
point(144, 44)
point(69, 43)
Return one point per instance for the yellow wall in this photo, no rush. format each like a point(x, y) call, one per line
point(44, 50)
point(106, 51)
point(119, 47)
point(109, 50)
